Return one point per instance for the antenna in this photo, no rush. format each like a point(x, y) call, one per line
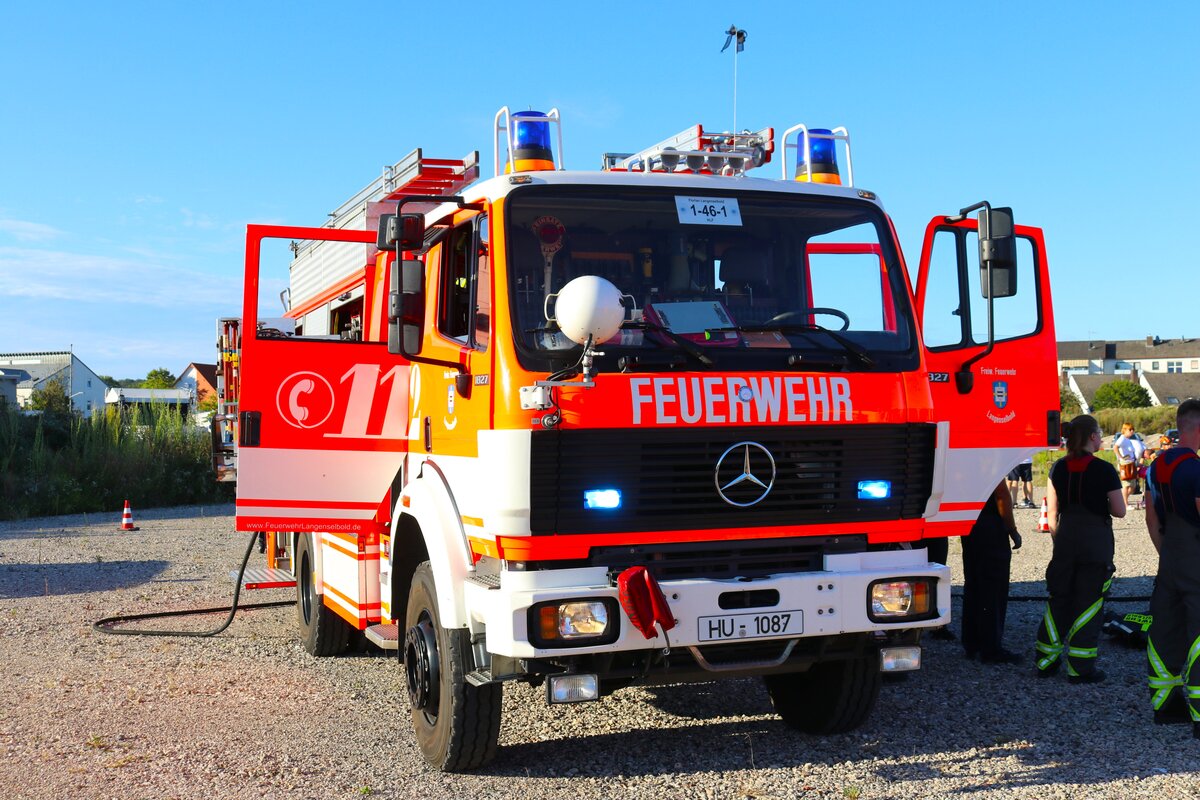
point(738, 34)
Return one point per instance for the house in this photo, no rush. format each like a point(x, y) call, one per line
point(200, 380)
point(8, 387)
point(35, 370)
point(1169, 369)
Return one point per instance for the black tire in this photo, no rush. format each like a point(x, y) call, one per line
point(459, 729)
point(322, 631)
point(832, 697)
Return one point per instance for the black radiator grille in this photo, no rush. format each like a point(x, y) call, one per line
point(751, 558)
point(666, 476)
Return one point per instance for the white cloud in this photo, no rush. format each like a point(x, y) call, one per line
point(24, 231)
point(193, 220)
point(59, 275)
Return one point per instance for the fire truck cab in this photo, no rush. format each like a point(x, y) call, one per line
point(658, 423)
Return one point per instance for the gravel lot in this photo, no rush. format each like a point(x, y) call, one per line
point(250, 714)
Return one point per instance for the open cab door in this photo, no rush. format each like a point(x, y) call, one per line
point(991, 355)
point(322, 414)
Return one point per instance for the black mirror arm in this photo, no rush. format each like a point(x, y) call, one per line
point(964, 379)
point(963, 212)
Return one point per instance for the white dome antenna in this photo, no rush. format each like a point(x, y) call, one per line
point(587, 307)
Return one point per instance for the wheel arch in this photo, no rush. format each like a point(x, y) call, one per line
point(428, 523)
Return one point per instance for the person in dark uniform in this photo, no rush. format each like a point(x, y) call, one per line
point(1083, 495)
point(1173, 521)
point(986, 562)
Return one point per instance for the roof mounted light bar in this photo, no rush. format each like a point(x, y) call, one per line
point(695, 150)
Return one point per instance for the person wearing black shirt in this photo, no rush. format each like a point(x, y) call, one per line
point(1173, 521)
point(987, 560)
point(1083, 495)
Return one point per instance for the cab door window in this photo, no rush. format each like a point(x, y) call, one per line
point(955, 313)
point(482, 286)
point(464, 294)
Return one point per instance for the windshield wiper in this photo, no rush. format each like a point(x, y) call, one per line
point(859, 355)
point(686, 345)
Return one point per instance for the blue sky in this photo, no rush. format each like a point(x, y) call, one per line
point(138, 139)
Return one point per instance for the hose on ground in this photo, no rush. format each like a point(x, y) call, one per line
point(106, 625)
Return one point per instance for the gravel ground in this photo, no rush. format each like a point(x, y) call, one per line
point(250, 714)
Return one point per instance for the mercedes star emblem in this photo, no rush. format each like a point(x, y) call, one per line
point(745, 474)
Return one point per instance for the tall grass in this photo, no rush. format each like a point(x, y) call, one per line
point(65, 464)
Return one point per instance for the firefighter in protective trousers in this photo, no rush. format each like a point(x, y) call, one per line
point(1083, 494)
point(1173, 520)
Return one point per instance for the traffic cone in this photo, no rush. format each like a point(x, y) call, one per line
point(127, 519)
point(1044, 518)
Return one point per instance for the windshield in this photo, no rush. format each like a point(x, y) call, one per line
point(753, 281)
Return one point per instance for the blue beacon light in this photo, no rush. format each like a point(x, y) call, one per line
point(874, 490)
point(602, 499)
point(822, 157)
point(531, 142)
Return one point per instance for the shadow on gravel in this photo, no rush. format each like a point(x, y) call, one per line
point(44, 580)
point(710, 700)
point(714, 747)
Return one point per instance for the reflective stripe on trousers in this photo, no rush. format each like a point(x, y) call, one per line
point(1054, 648)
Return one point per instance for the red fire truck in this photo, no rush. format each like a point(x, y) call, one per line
point(663, 422)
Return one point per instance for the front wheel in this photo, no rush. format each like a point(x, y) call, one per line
point(832, 697)
point(457, 725)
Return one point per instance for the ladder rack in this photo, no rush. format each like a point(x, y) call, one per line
point(414, 174)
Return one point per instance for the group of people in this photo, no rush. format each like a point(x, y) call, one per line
point(1083, 496)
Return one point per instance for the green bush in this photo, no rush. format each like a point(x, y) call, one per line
point(64, 464)
point(1121, 394)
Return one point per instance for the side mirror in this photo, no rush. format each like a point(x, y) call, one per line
point(406, 307)
point(400, 233)
point(997, 249)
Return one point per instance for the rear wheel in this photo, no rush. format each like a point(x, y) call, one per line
point(456, 724)
point(832, 697)
point(322, 631)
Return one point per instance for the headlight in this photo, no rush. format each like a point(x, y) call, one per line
point(573, 622)
point(907, 599)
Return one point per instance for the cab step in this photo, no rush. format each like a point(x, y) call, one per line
point(385, 637)
point(480, 677)
point(265, 578)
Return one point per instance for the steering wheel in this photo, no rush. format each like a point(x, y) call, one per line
point(797, 317)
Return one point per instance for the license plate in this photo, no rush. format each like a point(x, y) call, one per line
point(751, 626)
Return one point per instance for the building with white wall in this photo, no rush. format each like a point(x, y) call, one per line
point(35, 370)
point(1168, 369)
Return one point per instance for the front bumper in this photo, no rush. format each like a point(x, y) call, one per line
point(831, 602)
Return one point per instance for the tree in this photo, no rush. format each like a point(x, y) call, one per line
point(208, 402)
point(159, 379)
point(51, 397)
point(115, 383)
point(1121, 394)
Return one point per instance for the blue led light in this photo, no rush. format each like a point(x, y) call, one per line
point(531, 133)
point(874, 490)
point(604, 499)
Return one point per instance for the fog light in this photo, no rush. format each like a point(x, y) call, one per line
point(899, 659)
point(899, 599)
point(578, 688)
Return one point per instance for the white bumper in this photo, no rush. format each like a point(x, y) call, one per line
point(831, 601)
